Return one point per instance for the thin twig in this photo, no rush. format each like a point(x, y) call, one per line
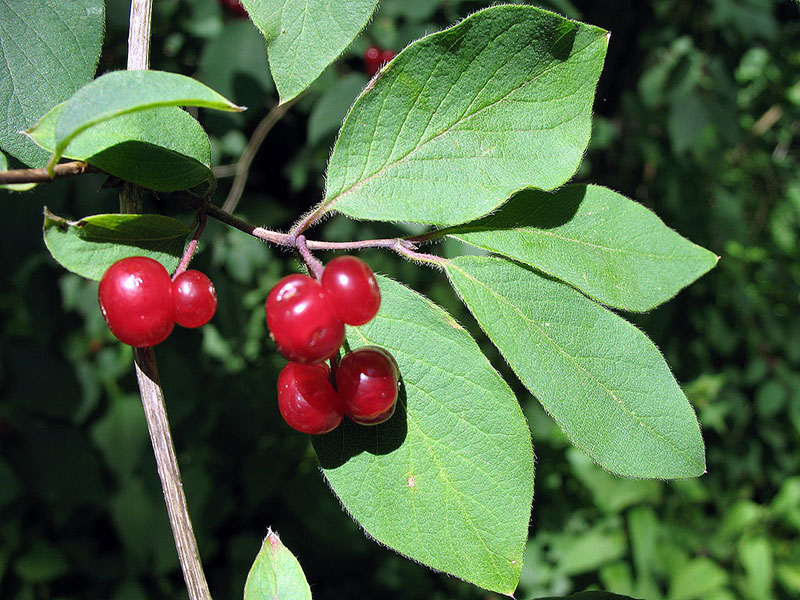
point(313, 264)
point(68, 169)
point(249, 153)
point(147, 371)
point(308, 219)
point(191, 248)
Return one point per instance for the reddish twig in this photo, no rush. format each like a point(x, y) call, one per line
point(191, 248)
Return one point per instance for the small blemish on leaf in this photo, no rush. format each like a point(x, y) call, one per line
point(412, 481)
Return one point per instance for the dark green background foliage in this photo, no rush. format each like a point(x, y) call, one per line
point(697, 117)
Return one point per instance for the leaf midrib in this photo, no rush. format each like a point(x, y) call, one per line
point(357, 185)
point(574, 361)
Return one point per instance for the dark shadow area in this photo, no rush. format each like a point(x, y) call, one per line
point(350, 439)
point(531, 208)
point(564, 40)
point(150, 166)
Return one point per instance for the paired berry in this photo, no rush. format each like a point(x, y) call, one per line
point(306, 398)
point(352, 289)
point(195, 299)
point(375, 58)
point(135, 298)
point(302, 321)
point(141, 304)
point(234, 7)
point(367, 380)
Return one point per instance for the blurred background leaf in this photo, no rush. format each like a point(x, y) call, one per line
point(726, 176)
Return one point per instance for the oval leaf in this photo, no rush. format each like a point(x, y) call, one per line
point(89, 246)
point(602, 380)
point(276, 574)
point(608, 246)
point(305, 36)
point(49, 49)
point(462, 119)
point(162, 149)
point(448, 480)
point(122, 92)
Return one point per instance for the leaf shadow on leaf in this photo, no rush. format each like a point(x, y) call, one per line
point(562, 48)
point(150, 166)
point(350, 439)
point(530, 208)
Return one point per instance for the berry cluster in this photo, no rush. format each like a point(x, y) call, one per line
point(375, 57)
point(141, 303)
point(306, 319)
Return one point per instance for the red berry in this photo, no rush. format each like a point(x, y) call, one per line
point(352, 289)
point(367, 384)
point(195, 299)
point(234, 7)
point(301, 320)
point(372, 60)
point(306, 398)
point(135, 298)
point(386, 56)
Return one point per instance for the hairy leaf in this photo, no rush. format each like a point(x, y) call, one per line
point(121, 92)
point(463, 118)
point(613, 249)
point(603, 381)
point(276, 574)
point(305, 36)
point(48, 50)
point(448, 480)
point(89, 246)
point(163, 149)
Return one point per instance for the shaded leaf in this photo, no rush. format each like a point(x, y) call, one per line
point(89, 246)
point(463, 118)
point(35, 38)
point(601, 379)
point(613, 249)
point(305, 36)
point(121, 92)
point(448, 480)
point(163, 149)
point(698, 578)
point(276, 574)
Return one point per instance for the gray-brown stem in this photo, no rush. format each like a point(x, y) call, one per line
point(147, 371)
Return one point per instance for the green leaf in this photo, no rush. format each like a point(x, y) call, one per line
point(329, 111)
point(276, 574)
point(575, 554)
point(89, 246)
point(602, 380)
point(756, 557)
point(121, 92)
point(447, 481)
point(463, 118)
point(303, 37)
point(48, 50)
point(695, 580)
point(162, 149)
point(235, 63)
point(608, 246)
point(13, 187)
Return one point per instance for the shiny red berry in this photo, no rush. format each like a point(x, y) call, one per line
point(306, 398)
point(367, 380)
point(234, 7)
point(301, 320)
point(372, 60)
point(352, 289)
point(195, 299)
point(135, 297)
